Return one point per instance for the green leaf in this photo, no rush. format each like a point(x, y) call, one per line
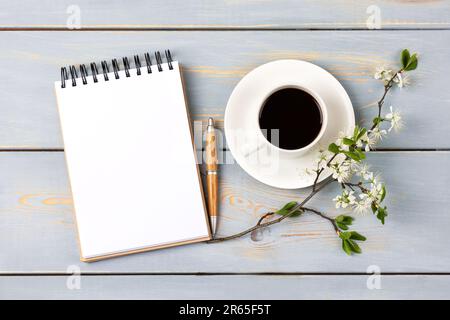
point(405, 57)
point(383, 193)
point(360, 153)
point(377, 120)
point(345, 235)
point(354, 246)
point(343, 221)
point(412, 64)
point(361, 133)
point(348, 141)
point(342, 226)
point(374, 206)
point(348, 220)
point(356, 236)
point(287, 208)
point(355, 132)
point(289, 205)
point(346, 247)
point(333, 148)
point(382, 214)
point(352, 155)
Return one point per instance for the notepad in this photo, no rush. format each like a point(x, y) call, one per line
point(130, 157)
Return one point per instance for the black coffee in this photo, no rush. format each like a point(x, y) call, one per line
point(296, 115)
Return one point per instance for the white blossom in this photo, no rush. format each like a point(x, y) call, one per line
point(376, 192)
point(405, 81)
point(324, 157)
point(340, 142)
point(363, 205)
point(395, 118)
point(367, 141)
point(377, 134)
point(362, 170)
point(397, 79)
point(342, 171)
point(345, 199)
point(369, 176)
point(401, 80)
point(379, 73)
point(339, 202)
point(373, 179)
point(387, 74)
point(383, 73)
point(371, 140)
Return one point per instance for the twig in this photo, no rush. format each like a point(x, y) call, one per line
point(358, 185)
point(260, 225)
point(380, 102)
point(321, 170)
point(263, 217)
point(331, 220)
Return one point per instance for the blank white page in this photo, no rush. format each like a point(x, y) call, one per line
point(131, 162)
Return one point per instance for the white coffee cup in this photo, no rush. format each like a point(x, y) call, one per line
point(263, 143)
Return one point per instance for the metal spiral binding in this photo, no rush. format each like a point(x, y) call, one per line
point(64, 77)
point(137, 63)
point(83, 73)
point(105, 70)
point(94, 71)
point(169, 59)
point(148, 61)
point(126, 66)
point(73, 75)
point(158, 60)
point(116, 68)
point(71, 71)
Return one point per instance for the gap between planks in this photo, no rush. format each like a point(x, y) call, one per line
point(207, 274)
point(31, 150)
point(206, 29)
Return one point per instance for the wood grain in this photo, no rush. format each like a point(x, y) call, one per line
point(36, 227)
point(227, 287)
point(215, 62)
point(228, 14)
point(37, 233)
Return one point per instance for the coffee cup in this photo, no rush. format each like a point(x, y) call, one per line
point(291, 120)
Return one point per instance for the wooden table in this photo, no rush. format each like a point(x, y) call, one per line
point(219, 42)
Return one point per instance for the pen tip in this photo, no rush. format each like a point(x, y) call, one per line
point(210, 122)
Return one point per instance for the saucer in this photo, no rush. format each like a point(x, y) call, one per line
point(257, 157)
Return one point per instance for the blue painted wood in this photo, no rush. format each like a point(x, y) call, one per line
point(37, 232)
point(227, 287)
point(36, 227)
point(215, 62)
point(265, 14)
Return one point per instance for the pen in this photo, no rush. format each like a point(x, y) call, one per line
point(211, 174)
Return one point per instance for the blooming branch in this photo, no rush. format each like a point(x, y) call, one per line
point(345, 159)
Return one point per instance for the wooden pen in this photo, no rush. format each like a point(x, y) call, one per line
point(211, 174)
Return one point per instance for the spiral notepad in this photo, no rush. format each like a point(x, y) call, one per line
point(130, 156)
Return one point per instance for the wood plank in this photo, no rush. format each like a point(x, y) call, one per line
point(37, 232)
point(227, 287)
point(215, 62)
point(273, 14)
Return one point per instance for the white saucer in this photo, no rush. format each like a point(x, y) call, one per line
point(243, 136)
